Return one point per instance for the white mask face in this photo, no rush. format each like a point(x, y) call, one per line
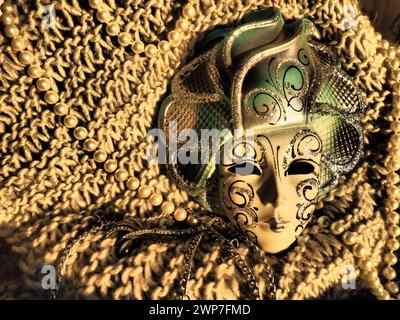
point(269, 185)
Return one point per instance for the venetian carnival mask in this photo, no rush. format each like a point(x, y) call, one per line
point(284, 121)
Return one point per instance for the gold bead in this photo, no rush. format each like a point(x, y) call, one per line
point(393, 178)
point(193, 220)
point(372, 275)
point(393, 244)
point(350, 238)
point(110, 165)
point(394, 231)
point(151, 50)
point(124, 39)
point(393, 165)
point(43, 84)
point(6, 7)
point(389, 273)
point(188, 12)
point(103, 16)
point(392, 53)
point(80, 133)
point(359, 250)
point(390, 258)
point(90, 144)
point(394, 191)
point(18, 44)
point(70, 121)
point(133, 183)
point(100, 156)
point(34, 71)
point(144, 192)
point(180, 214)
point(164, 46)
point(174, 37)
point(384, 296)
point(167, 207)
point(395, 139)
point(95, 4)
point(378, 291)
point(61, 109)
point(51, 97)
point(182, 24)
point(26, 57)
point(393, 217)
point(385, 44)
point(156, 199)
point(392, 204)
point(137, 47)
point(112, 29)
point(374, 284)
point(11, 31)
point(365, 264)
point(7, 19)
point(121, 175)
point(337, 227)
point(396, 64)
point(392, 287)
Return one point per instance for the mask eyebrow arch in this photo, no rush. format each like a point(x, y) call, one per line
point(275, 161)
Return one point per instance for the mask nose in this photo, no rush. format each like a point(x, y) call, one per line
point(268, 192)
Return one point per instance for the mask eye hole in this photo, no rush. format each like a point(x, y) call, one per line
point(245, 168)
point(300, 167)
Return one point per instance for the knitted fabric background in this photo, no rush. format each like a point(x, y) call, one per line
point(51, 189)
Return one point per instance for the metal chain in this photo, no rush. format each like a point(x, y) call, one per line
point(227, 236)
point(230, 248)
point(187, 265)
point(269, 278)
point(61, 263)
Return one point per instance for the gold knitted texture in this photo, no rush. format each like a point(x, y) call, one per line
point(52, 189)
